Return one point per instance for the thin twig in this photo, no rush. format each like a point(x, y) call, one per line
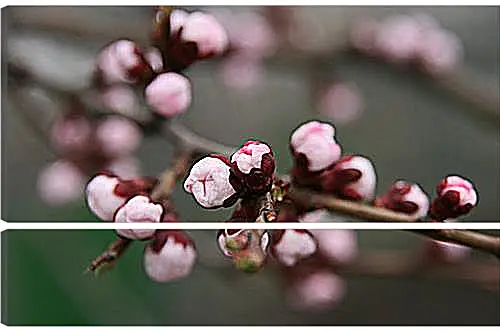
point(111, 255)
point(170, 177)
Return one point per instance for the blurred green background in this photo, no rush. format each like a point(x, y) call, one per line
point(410, 127)
point(43, 284)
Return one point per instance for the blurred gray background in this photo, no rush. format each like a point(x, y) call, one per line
point(410, 127)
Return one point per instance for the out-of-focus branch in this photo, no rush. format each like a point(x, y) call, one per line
point(472, 239)
point(479, 241)
point(184, 137)
point(485, 273)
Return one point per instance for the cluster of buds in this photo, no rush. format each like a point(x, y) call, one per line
point(407, 39)
point(319, 163)
point(169, 254)
point(179, 39)
point(217, 181)
point(86, 146)
point(456, 197)
point(315, 283)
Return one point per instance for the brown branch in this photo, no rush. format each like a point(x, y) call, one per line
point(181, 136)
point(110, 256)
point(170, 177)
point(472, 239)
point(355, 209)
point(482, 242)
point(485, 273)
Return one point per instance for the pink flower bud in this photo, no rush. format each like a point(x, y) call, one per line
point(208, 182)
point(120, 99)
point(251, 34)
point(352, 177)
point(102, 198)
point(154, 59)
point(241, 72)
point(70, 133)
point(60, 182)
point(440, 51)
point(293, 245)
point(118, 136)
point(342, 102)
point(206, 32)
point(338, 246)
point(253, 166)
point(120, 61)
point(398, 38)
point(169, 94)
point(405, 198)
point(316, 142)
point(456, 197)
point(250, 156)
point(317, 291)
point(178, 18)
point(138, 209)
point(124, 167)
point(170, 256)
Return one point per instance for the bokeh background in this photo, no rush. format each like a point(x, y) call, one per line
point(43, 284)
point(411, 126)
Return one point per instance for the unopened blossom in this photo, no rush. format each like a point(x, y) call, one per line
point(154, 58)
point(456, 196)
point(170, 256)
point(138, 209)
point(118, 136)
point(251, 34)
point(316, 142)
point(70, 133)
point(254, 166)
point(318, 290)
point(352, 177)
point(338, 246)
point(440, 51)
point(342, 102)
point(121, 61)
point(201, 28)
point(102, 198)
point(60, 182)
point(406, 198)
point(398, 37)
point(121, 99)
point(208, 182)
point(235, 240)
point(169, 94)
point(293, 245)
point(124, 166)
point(241, 72)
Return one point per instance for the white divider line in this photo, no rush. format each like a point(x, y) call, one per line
point(222, 225)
